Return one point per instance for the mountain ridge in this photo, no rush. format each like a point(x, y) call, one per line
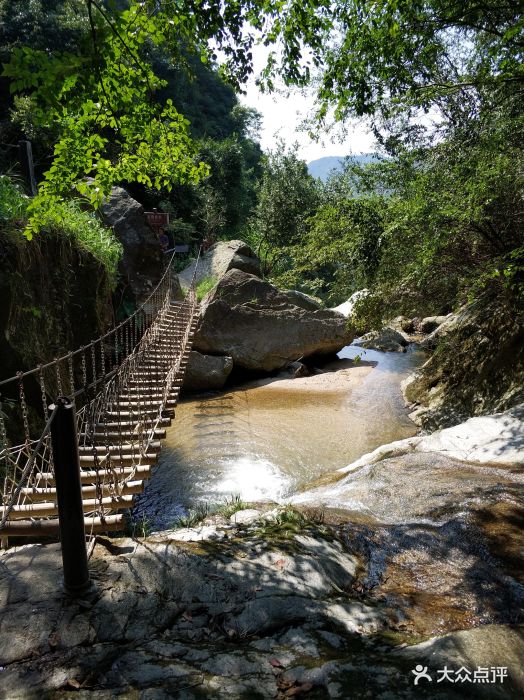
point(321, 168)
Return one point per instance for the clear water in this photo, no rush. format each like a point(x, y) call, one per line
point(265, 442)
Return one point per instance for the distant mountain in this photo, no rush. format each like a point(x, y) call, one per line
point(322, 167)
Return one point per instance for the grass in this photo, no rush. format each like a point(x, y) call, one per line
point(226, 509)
point(13, 204)
point(86, 229)
point(139, 528)
point(67, 219)
point(205, 286)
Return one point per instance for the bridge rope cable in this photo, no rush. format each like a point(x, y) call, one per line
point(125, 385)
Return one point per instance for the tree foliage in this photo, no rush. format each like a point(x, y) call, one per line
point(288, 195)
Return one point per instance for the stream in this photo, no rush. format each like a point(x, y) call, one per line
point(267, 439)
point(441, 541)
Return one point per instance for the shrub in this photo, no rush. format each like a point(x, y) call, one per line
point(66, 219)
point(205, 286)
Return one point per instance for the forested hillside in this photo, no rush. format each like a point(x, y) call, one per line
point(219, 130)
point(134, 97)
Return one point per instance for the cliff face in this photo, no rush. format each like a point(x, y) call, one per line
point(476, 368)
point(53, 298)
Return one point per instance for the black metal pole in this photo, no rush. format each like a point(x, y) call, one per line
point(69, 497)
point(25, 153)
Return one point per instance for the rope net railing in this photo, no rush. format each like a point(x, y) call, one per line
point(124, 385)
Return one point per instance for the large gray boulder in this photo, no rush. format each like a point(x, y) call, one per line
point(207, 371)
point(219, 259)
point(386, 339)
point(261, 329)
point(305, 301)
point(431, 323)
point(346, 308)
point(143, 262)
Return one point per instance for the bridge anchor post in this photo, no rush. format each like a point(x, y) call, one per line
point(69, 497)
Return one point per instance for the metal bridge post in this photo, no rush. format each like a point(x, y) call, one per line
point(69, 497)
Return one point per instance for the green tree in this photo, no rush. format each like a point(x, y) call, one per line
point(288, 195)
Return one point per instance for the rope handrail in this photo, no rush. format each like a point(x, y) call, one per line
point(81, 349)
point(129, 384)
point(27, 469)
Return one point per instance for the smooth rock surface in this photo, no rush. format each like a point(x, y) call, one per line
point(346, 308)
point(498, 439)
point(254, 613)
point(219, 259)
point(302, 300)
point(415, 477)
point(387, 340)
point(207, 372)
point(245, 516)
point(253, 322)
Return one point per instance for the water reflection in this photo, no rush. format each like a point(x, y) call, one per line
point(265, 441)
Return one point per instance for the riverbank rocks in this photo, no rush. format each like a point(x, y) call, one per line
point(142, 264)
point(386, 339)
point(431, 323)
point(218, 260)
point(477, 368)
point(416, 476)
point(261, 329)
point(206, 372)
point(346, 308)
point(281, 606)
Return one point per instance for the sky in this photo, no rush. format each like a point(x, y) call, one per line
point(283, 115)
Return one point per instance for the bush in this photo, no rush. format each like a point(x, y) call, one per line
point(13, 204)
point(86, 229)
point(65, 219)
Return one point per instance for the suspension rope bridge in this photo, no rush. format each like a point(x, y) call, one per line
point(120, 392)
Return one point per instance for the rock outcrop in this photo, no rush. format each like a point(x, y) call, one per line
point(346, 308)
point(304, 301)
point(478, 367)
point(54, 296)
point(143, 263)
point(260, 328)
point(386, 339)
point(218, 260)
point(270, 605)
point(431, 323)
point(411, 478)
point(207, 372)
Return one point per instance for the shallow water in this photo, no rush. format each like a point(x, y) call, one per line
point(265, 442)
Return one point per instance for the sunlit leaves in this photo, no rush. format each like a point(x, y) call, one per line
point(102, 102)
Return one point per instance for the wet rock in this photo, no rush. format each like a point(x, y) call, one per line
point(219, 259)
point(253, 322)
point(207, 372)
point(143, 262)
point(387, 340)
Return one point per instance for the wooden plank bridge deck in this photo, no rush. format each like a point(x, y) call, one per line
point(130, 380)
